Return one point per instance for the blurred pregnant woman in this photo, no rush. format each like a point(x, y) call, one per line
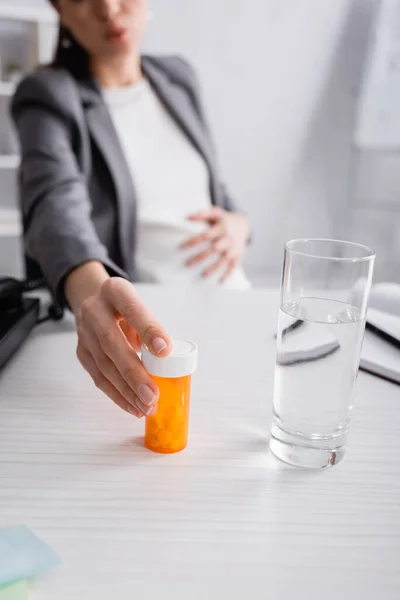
point(119, 183)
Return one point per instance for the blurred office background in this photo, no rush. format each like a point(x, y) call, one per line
point(282, 83)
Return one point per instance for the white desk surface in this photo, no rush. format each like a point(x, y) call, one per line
point(222, 520)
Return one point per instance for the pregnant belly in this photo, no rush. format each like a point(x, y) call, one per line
point(159, 259)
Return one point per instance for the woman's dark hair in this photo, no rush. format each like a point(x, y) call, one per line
point(70, 55)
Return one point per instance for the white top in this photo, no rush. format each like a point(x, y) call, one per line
point(171, 182)
point(221, 520)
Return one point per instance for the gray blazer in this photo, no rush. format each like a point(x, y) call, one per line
point(76, 191)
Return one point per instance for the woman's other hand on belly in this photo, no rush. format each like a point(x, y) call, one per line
point(226, 236)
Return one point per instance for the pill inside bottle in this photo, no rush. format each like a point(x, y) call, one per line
point(167, 430)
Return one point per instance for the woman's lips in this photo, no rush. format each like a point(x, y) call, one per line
point(116, 35)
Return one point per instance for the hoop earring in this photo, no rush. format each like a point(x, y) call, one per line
point(66, 40)
point(66, 43)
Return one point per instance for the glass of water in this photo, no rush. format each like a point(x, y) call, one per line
point(324, 296)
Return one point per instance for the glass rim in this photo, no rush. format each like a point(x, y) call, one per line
point(369, 252)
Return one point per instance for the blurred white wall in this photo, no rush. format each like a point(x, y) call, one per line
point(280, 82)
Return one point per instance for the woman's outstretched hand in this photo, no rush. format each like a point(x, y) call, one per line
point(227, 234)
point(112, 325)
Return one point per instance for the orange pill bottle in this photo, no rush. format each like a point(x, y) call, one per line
point(167, 430)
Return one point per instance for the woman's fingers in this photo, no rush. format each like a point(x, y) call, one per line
point(89, 364)
point(232, 264)
point(140, 390)
point(223, 245)
point(213, 233)
point(217, 266)
point(117, 360)
point(200, 257)
point(130, 335)
point(122, 299)
point(90, 351)
point(210, 215)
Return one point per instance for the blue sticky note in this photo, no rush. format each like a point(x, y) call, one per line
point(23, 555)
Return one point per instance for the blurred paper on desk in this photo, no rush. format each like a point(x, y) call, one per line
point(23, 555)
point(379, 356)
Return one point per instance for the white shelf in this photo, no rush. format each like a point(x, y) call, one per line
point(9, 161)
point(7, 88)
point(10, 223)
point(27, 12)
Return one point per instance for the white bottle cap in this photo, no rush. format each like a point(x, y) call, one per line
point(182, 360)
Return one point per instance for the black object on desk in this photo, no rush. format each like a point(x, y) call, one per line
point(19, 315)
point(15, 326)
